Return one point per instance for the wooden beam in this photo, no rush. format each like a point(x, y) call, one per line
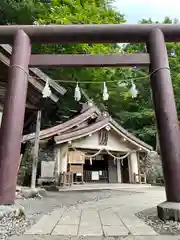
point(31, 106)
point(81, 60)
point(36, 84)
point(90, 33)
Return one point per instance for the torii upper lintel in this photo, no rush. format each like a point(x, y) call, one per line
point(91, 33)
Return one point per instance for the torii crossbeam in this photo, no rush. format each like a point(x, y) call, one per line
point(157, 59)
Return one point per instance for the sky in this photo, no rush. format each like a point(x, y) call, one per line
point(135, 10)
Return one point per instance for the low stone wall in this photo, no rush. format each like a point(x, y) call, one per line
point(46, 172)
point(45, 154)
point(153, 167)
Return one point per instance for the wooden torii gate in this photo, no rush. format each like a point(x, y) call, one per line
point(156, 59)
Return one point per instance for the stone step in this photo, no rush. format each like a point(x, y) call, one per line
point(46, 224)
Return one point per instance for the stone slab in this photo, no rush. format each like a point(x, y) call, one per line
point(90, 224)
point(108, 217)
point(31, 237)
point(47, 169)
point(47, 223)
point(137, 226)
point(115, 231)
point(131, 221)
point(90, 217)
point(70, 217)
point(141, 230)
point(65, 230)
point(92, 230)
point(169, 211)
point(160, 237)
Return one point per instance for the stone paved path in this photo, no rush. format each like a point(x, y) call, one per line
point(113, 217)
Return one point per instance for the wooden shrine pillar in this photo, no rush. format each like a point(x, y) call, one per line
point(36, 150)
point(13, 117)
point(166, 114)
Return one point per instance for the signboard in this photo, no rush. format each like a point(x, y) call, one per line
point(76, 157)
point(47, 169)
point(78, 174)
point(95, 176)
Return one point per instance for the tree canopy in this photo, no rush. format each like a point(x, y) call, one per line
point(136, 115)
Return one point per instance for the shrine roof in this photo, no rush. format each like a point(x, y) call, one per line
point(63, 127)
point(89, 121)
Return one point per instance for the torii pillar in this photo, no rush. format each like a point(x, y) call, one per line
point(13, 117)
point(167, 124)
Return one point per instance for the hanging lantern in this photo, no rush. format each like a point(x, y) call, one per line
point(46, 91)
point(133, 90)
point(77, 93)
point(105, 93)
point(90, 161)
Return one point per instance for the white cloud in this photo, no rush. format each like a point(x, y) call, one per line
point(135, 10)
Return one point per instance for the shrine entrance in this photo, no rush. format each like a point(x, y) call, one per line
point(156, 59)
point(125, 171)
point(97, 170)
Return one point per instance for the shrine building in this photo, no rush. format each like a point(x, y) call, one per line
point(91, 147)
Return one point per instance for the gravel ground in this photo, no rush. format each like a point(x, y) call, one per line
point(36, 208)
point(161, 227)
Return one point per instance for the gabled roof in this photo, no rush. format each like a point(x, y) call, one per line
point(72, 135)
point(129, 135)
point(78, 127)
point(107, 121)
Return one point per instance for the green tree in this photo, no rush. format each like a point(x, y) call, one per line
point(81, 12)
point(140, 118)
point(20, 11)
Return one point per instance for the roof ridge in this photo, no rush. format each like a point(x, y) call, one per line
point(84, 131)
point(48, 132)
